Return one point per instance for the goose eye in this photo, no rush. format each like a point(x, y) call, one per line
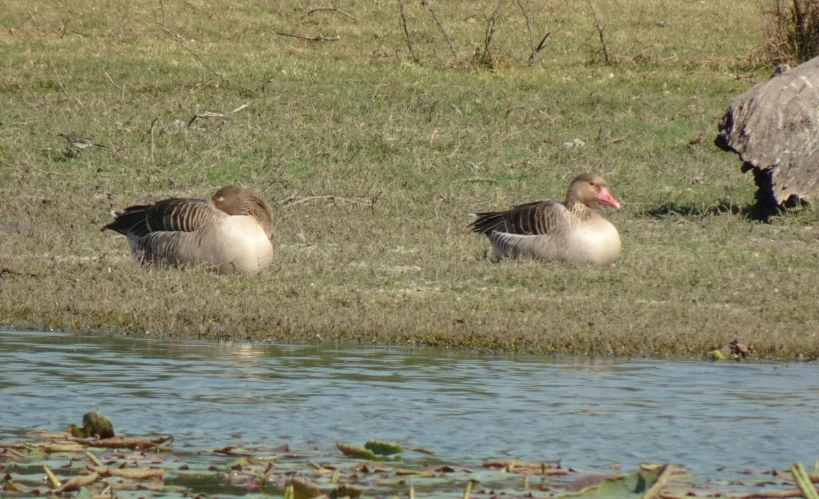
point(591, 183)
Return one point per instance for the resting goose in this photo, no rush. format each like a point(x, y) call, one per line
point(574, 231)
point(230, 233)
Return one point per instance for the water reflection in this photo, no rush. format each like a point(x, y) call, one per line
point(587, 412)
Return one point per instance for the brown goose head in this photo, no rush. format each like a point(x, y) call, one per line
point(236, 200)
point(590, 189)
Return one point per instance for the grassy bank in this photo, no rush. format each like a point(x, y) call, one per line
point(408, 149)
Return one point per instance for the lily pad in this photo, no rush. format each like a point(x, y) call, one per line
point(355, 451)
point(382, 448)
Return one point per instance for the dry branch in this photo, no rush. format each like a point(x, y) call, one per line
point(318, 38)
point(528, 30)
point(152, 132)
point(490, 31)
point(48, 172)
point(62, 29)
point(426, 4)
point(540, 46)
point(330, 9)
point(599, 32)
point(223, 116)
point(406, 31)
point(484, 180)
point(121, 89)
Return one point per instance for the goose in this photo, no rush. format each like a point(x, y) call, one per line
point(573, 232)
point(230, 234)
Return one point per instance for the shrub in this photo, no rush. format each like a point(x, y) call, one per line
point(792, 31)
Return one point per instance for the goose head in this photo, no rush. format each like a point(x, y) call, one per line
point(590, 189)
point(236, 200)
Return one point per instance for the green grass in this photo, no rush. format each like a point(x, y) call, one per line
point(431, 141)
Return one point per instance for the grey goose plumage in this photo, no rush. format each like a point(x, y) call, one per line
point(230, 233)
point(574, 231)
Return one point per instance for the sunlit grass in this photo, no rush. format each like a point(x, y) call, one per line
point(428, 141)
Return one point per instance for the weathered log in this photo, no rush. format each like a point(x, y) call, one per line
point(774, 127)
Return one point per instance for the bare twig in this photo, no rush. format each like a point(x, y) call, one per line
point(48, 172)
point(192, 6)
point(223, 116)
point(65, 25)
point(50, 62)
point(207, 114)
point(406, 31)
point(294, 200)
point(170, 34)
point(481, 180)
point(319, 38)
point(528, 30)
point(330, 9)
point(112, 80)
point(490, 31)
point(426, 4)
point(534, 50)
point(121, 89)
point(153, 140)
point(542, 42)
point(599, 32)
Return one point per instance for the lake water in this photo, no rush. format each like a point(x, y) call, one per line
point(587, 413)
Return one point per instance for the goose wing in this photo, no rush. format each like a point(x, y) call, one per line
point(169, 215)
point(530, 219)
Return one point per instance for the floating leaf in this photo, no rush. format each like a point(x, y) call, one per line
point(621, 487)
point(10, 486)
point(382, 448)
point(355, 451)
point(511, 465)
point(64, 447)
point(124, 443)
point(414, 473)
point(422, 450)
point(83, 494)
point(346, 490)
point(239, 463)
point(131, 473)
point(303, 488)
point(77, 482)
point(263, 479)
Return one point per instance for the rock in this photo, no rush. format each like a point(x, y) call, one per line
point(774, 127)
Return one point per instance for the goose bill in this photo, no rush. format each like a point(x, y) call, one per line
point(607, 199)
